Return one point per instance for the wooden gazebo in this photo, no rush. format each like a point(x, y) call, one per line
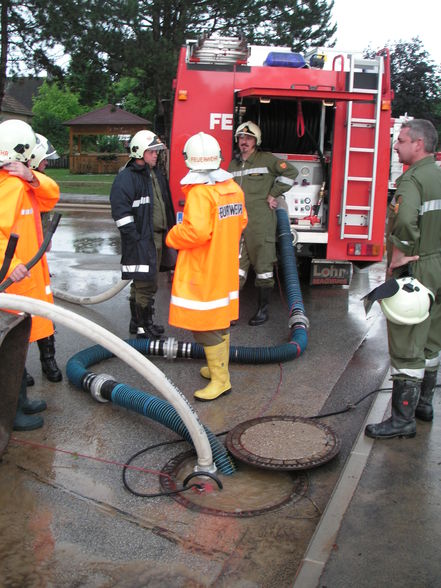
point(109, 120)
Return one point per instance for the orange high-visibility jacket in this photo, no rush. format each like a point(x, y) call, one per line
point(20, 207)
point(205, 290)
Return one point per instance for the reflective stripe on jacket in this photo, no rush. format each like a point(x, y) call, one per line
point(20, 207)
point(205, 290)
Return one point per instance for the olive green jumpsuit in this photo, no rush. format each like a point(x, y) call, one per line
point(417, 231)
point(261, 175)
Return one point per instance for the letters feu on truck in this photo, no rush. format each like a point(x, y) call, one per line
point(329, 113)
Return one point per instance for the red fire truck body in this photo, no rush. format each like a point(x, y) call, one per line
point(332, 121)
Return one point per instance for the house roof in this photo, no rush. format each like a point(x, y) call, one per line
point(12, 106)
point(108, 116)
point(24, 89)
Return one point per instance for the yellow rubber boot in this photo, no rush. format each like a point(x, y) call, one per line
point(217, 359)
point(205, 370)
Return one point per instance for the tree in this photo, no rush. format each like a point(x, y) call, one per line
point(415, 80)
point(112, 43)
point(53, 106)
point(140, 40)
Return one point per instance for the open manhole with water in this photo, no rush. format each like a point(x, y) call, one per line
point(283, 443)
point(246, 493)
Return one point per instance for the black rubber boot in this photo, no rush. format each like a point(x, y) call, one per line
point(261, 315)
point(29, 379)
point(47, 358)
point(133, 326)
point(424, 409)
point(146, 329)
point(405, 394)
point(22, 421)
point(31, 406)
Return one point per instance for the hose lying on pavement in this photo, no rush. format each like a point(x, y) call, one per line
point(132, 358)
point(107, 295)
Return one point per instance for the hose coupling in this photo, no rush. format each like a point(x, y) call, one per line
point(298, 319)
point(170, 348)
point(97, 385)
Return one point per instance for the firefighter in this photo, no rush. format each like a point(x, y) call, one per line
point(143, 211)
point(42, 152)
point(415, 242)
point(23, 196)
point(264, 178)
point(205, 289)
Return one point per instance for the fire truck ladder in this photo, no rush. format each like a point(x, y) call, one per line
point(218, 50)
point(356, 214)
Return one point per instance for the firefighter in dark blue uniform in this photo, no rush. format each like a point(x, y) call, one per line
point(143, 212)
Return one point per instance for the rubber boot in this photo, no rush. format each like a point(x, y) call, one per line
point(146, 329)
point(405, 394)
point(133, 325)
point(29, 379)
point(205, 370)
point(424, 409)
point(22, 421)
point(31, 406)
point(217, 359)
point(47, 358)
point(261, 315)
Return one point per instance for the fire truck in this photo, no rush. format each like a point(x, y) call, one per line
point(328, 113)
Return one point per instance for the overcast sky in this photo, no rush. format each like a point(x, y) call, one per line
point(375, 22)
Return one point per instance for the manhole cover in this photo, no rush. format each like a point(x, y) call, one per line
point(283, 443)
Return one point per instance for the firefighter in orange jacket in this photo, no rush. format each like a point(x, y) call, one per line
point(22, 197)
point(205, 290)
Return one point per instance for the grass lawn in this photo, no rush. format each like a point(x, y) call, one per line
point(82, 184)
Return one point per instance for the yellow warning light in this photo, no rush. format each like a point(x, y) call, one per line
point(182, 94)
point(385, 105)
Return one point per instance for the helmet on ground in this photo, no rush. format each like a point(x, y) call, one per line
point(410, 305)
point(202, 152)
point(251, 129)
point(17, 140)
point(144, 141)
point(42, 150)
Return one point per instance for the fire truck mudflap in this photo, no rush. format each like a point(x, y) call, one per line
point(327, 272)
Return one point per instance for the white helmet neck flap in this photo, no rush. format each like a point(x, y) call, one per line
point(202, 152)
point(144, 141)
point(410, 305)
point(251, 129)
point(17, 140)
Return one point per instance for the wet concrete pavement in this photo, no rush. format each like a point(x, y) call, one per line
point(67, 519)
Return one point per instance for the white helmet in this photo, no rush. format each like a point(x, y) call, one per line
point(42, 150)
point(251, 129)
point(410, 305)
point(144, 141)
point(202, 152)
point(17, 140)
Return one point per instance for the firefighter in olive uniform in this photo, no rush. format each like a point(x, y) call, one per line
point(205, 290)
point(415, 250)
point(263, 178)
